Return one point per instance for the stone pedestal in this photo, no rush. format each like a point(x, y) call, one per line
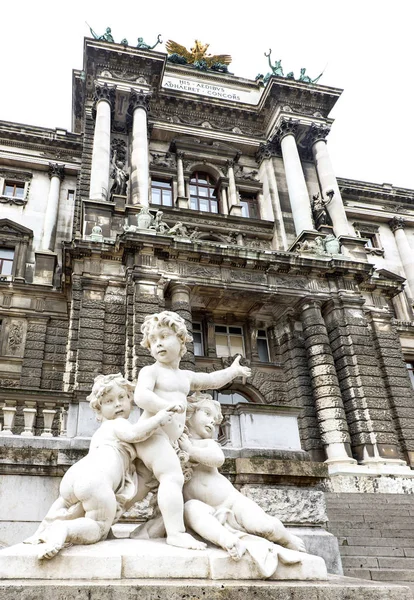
point(181, 202)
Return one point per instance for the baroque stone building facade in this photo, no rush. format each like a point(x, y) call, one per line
point(213, 196)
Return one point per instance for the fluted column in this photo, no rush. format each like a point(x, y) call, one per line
point(101, 152)
point(327, 180)
point(397, 225)
point(233, 197)
point(56, 175)
point(138, 109)
point(295, 179)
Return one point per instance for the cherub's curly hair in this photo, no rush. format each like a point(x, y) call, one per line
point(170, 319)
point(200, 399)
point(102, 385)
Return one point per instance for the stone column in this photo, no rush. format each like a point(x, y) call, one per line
point(274, 211)
point(101, 153)
point(21, 260)
point(180, 303)
point(295, 179)
point(211, 335)
point(137, 111)
point(56, 175)
point(224, 205)
point(180, 175)
point(233, 197)
point(373, 434)
point(397, 381)
point(327, 180)
point(327, 395)
point(293, 356)
point(397, 225)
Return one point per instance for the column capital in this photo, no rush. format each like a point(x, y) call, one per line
point(180, 154)
point(104, 92)
point(397, 223)
point(56, 170)
point(317, 132)
point(139, 99)
point(286, 127)
point(266, 150)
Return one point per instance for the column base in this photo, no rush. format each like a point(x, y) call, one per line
point(45, 267)
point(119, 201)
point(181, 202)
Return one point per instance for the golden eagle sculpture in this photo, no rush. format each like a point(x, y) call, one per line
point(197, 54)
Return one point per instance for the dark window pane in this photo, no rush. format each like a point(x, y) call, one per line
point(221, 328)
point(263, 350)
point(235, 330)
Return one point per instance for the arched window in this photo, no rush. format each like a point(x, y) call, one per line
point(203, 194)
point(230, 397)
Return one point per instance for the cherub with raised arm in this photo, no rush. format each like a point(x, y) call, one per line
point(159, 386)
point(214, 509)
point(99, 488)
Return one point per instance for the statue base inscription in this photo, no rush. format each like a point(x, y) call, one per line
point(151, 559)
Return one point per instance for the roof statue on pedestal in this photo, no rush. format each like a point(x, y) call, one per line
point(143, 46)
point(197, 56)
point(105, 37)
point(277, 71)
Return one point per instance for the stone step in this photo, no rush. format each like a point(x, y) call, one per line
point(377, 562)
point(374, 551)
point(375, 541)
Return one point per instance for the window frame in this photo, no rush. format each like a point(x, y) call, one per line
point(162, 189)
point(249, 203)
point(410, 368)
point(6, 260)
point(212, 197)
point(201, 332)
point(228, 334)
point(265, 338)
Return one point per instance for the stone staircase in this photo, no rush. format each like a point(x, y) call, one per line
point(375, 534)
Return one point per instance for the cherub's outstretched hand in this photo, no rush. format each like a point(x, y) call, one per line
point(241, 371)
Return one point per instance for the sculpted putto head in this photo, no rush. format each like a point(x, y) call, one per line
point(167, 319)
point(200, 401)
point(106, 384)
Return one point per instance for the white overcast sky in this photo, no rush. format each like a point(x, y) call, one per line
point(366, 44)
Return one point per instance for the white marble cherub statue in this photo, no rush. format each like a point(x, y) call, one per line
point(100, 487)
point(215, 510)
point(163, 385)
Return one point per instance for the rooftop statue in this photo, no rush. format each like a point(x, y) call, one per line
point(307, 79)
point(277, 71)
point(106, 37)
point(197, 56)
point(143, 46)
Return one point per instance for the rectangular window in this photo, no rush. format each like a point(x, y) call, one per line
point(229, 340)
point(262, 345)
point(161, 192)
point(198, 339)
point(6, 261)
point(13, 189)
point(249, 207)
point(71, 195)
point(410, 368)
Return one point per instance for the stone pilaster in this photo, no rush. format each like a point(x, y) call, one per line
point(56, 175)
point(182, 200)
point(139, 106)
point(101, 153)
point(211, 336)
point(329, 185)
point(398, 386)
point(89, 359)
point(295, 179)
point(327, 395)
point(114, 331)
point(364, 395)
point(34, 351)
point(55, 354)
point(233, 196)
point(180, 303)
point(293, 356)
point(69, 377)
point(397, 225)
point(270, 202)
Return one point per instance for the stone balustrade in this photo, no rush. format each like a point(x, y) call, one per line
point(30, 418)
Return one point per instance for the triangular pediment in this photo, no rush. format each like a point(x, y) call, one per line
point(8, 226)
point(385, 274)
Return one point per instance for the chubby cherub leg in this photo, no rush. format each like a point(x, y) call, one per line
point(200, 517)
point(100, 511)
point(253, 519)
point(159, 456)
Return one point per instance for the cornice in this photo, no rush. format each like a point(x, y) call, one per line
point(383, 191)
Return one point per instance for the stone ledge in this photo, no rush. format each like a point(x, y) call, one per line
point(335, 588)
point(143, 559)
